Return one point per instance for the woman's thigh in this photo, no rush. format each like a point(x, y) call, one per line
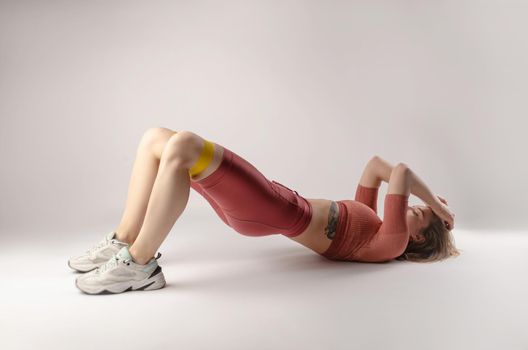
point(249, 202)
point(198, 188)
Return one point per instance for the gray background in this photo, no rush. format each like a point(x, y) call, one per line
point(307, 91)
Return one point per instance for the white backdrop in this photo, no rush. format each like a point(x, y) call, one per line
point(307, 91)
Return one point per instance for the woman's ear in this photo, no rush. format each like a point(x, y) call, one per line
point(419, 238)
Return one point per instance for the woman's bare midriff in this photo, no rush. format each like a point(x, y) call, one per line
point(313, 237)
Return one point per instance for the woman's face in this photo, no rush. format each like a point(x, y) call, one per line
point(418, 218)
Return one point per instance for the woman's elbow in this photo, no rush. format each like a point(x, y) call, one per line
point(400, 180)
point(377, 159)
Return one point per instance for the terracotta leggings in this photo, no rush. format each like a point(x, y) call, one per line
point(250, 203)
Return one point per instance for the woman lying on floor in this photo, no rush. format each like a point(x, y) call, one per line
point(168, 163)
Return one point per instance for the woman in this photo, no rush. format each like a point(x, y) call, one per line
point(168, 163)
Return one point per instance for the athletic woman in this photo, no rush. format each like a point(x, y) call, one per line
point(168, 163)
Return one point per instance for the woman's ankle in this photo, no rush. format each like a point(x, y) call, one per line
point(125, 236)
point(138, 258)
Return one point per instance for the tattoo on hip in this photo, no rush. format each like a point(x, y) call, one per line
point(333, 215)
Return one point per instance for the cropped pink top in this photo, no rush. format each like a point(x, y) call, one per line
point(362, 236)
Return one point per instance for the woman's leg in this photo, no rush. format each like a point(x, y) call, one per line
point(250, 203)
point(144, 173)
point(170, 192)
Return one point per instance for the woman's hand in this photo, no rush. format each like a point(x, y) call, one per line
point(444, 213)
point(442, 200)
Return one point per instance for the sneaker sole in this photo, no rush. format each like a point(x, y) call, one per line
point(155, 282)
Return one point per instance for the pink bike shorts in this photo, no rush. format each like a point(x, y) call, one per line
point(250, 203)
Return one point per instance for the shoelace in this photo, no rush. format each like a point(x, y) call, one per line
point(111, 263)
point(100, 244)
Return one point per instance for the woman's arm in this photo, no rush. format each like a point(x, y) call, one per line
point(411, 183)
point(392, 237)
point(378, 169)
point(404, 181)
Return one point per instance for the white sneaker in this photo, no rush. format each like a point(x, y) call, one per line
point(98, 254)
point(121, 274)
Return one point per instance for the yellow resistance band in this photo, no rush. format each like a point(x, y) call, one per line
point(205, 158)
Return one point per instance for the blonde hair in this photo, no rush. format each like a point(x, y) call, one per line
point(439, 244)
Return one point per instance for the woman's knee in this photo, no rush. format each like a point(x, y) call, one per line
point(154, 139)
point(182, 148)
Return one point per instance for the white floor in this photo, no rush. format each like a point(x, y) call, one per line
point(227, 291)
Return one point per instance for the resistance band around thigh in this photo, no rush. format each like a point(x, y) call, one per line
point(206, 156)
